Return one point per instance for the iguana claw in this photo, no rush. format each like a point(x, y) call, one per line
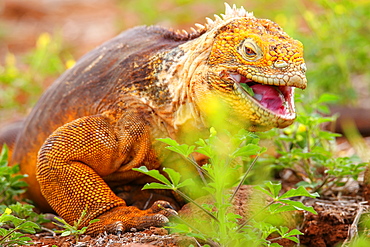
point(124, 218)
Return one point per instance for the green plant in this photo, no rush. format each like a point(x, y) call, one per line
point(25, 211)
point(15, 217)
point(10, 226)
point(11, 184)
point(75, 230)
point(310, 151)
point(341, 59)
point(227, 154)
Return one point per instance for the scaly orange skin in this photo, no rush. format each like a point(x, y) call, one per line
point(101, 118)
point(73, 176)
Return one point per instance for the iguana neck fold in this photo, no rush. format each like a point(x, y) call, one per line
point(185, 66)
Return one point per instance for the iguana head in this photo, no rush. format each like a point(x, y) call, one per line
point(252, 65)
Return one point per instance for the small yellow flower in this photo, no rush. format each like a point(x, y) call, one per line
point(301, 128)
point(8, 211)
point(43, 40)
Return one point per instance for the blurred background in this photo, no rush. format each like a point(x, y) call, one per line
point(39, 39)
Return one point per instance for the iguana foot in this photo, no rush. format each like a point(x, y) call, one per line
point(121, 219)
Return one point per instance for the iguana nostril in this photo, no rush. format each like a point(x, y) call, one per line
point(280, 64)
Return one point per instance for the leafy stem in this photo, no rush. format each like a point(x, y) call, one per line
point(244, 177)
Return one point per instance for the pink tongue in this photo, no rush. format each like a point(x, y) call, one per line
point(271, 98)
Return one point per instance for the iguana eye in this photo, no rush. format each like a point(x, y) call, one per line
point(249, 50)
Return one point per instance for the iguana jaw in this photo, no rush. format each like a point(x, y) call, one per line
point(268, 104)
point(276, 100)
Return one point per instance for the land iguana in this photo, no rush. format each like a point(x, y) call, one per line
point(101, 118)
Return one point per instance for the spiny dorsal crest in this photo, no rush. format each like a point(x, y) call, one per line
point(230, 13)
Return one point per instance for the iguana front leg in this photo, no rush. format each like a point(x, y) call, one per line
point(73, 160)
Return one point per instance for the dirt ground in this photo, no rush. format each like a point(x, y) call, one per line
point(336, 223)
point(87, 23)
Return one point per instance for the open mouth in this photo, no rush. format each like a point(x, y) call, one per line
point(277, 99)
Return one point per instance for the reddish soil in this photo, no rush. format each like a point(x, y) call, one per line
point(150, 237)
point(335, 223)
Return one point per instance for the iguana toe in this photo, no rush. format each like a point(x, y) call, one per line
point(162, 207)
point(123, 218)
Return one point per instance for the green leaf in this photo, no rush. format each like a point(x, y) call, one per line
point(94, 221)
point(280, 208)
point(267, 192)
point(274, 207)
point(153, 173)
point(274, 245)
point(3, 232)
point(298, 205)
point(247, 89)
point(66, 233)
point(207, 151)
point(294, 239)
point(246, 151)
point(4, 156)
point(232, 217)
point(187, 182)
point(328, 98)
point(61, 220)
point(29, 227)
point(179, 228)
point(323, 109)
point(274, 188)
point(182, 149)
point(283, 229)
point(174, 176)
point(157, 186)
point(82, 230)
point(24, 240)
point(290, 235)
point(295, 232)
point(168, 141)
point(15, 220)
point(300, 191)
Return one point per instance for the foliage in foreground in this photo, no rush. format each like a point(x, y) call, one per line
point(11, 184)
point(12, 235)
point(227, 154)
point(15, 218)
point(75, 230)
point(305, 148)
point(309, 150)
